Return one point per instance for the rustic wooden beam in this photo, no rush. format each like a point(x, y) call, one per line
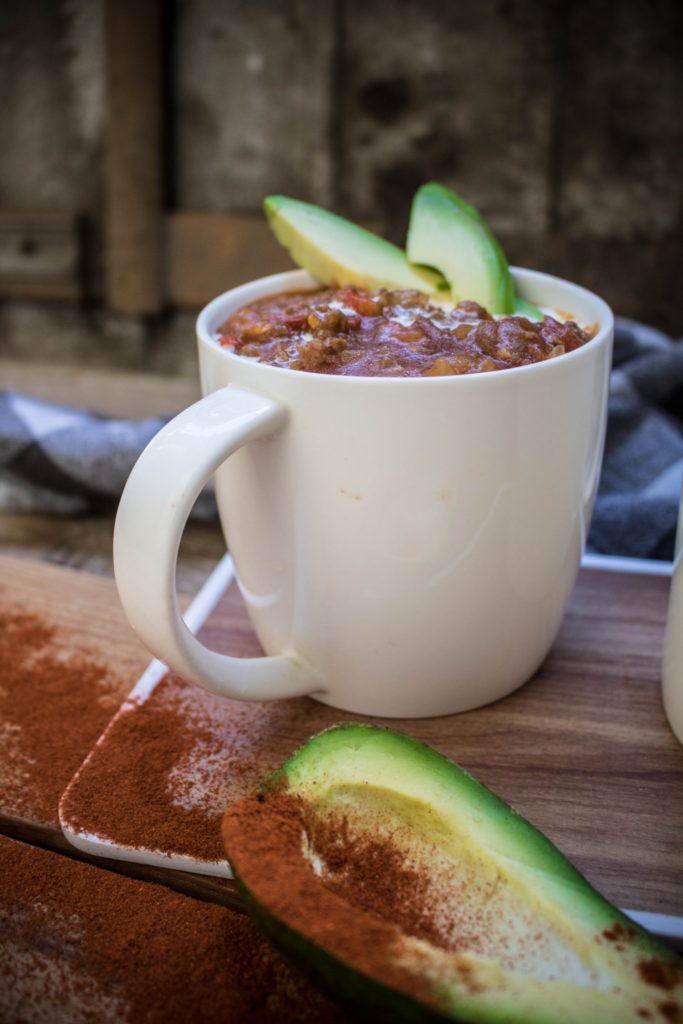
point(133, 163)
point(208, 253)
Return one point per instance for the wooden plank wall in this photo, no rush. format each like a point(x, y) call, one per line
point(560, 119)
point(133, 157)
point(252, 102)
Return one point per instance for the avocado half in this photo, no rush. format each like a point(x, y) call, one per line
point(410, 892)
point(338, 252)
point(447, 233)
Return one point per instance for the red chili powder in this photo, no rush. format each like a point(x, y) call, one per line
point(143, 746)
point(660, 974)
point(618, 933)
point(180, 757)
point(263, 837)
point(371, 874)
point(53, 707)
point(82, 943)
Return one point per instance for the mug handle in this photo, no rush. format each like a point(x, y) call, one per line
point(153, 510)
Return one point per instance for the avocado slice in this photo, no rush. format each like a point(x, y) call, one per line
point(527, 309)
point(338, 252)
point(408, 890)
point(447, 233)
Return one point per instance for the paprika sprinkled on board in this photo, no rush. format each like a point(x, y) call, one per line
point(54, 703)
point(143, 747)
point(81, 944)
point(179, 757)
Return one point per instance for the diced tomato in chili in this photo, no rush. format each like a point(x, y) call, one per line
point(297, 321)
point(361, 303)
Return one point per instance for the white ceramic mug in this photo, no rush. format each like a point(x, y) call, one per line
point(405, 546)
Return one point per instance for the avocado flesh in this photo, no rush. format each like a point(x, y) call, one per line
point(448, 234)
point(522, 937)
point(338, 252)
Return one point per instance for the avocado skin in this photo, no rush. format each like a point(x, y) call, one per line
point(361, 995)
point(314, 765)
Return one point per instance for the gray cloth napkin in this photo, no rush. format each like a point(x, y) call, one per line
point(71, 462)
point(637, 505)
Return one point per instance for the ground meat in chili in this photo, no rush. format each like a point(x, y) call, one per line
point(352, 332)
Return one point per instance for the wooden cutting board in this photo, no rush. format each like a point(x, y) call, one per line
point(583, 750)
point(88, 625)
point(87, 653)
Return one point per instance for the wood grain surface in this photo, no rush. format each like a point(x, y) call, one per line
point(83, 607)
point(88, 621)
point(86, 544)
point(583, 750)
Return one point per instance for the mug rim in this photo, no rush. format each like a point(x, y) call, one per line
point(298, 278)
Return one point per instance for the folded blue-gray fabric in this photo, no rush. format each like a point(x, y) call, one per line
point(70, 462)
point(637, 505)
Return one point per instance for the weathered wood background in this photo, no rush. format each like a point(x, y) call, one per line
point(561, 121)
